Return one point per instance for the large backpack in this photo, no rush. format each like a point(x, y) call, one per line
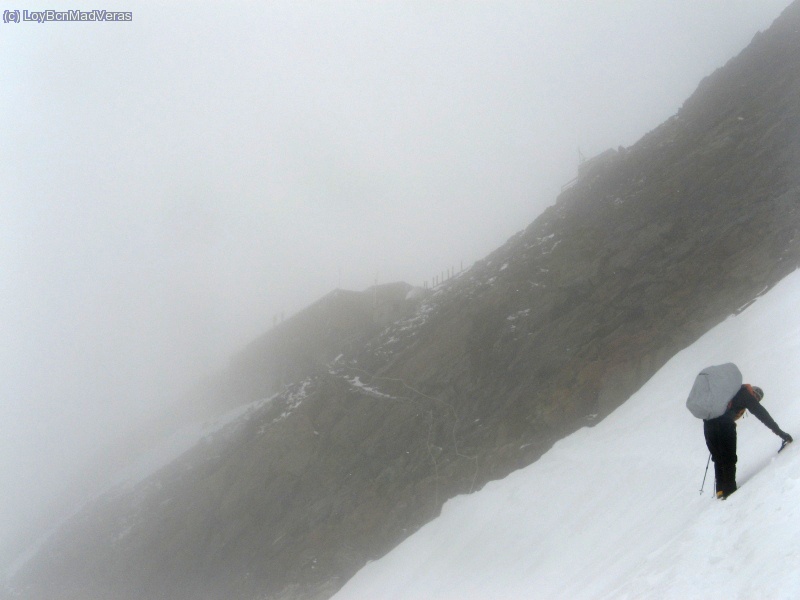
point(713, 389)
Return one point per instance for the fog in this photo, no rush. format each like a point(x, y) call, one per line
point(171, 185)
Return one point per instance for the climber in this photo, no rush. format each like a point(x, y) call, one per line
point(720, 433)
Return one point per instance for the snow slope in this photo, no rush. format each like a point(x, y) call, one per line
point(615, 511)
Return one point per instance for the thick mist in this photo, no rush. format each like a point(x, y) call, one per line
point(171, 185)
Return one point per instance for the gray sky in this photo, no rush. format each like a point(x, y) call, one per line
point(169, 185)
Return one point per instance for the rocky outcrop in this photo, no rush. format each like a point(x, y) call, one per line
point(306, 342)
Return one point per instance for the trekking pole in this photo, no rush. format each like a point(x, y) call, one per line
point(702, 485)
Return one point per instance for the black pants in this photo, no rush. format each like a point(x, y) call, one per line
point(721, 441)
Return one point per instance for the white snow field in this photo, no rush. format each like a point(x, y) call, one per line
point(615, 511)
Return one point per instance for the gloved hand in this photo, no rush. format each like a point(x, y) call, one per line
point(785, 437)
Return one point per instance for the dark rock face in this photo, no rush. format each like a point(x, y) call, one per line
point(388, 407)
point(335, 324)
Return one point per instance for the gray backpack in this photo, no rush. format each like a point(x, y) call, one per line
point(713, 389)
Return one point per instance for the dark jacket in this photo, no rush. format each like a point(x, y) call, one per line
point(744, 399)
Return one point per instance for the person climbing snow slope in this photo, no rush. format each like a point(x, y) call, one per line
point(720, 433)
